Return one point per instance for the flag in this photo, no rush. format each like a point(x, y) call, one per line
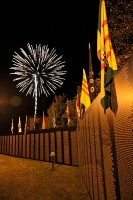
point(19, 126)
point(68, 112)
point(12, 127)
point(67, 109)
point(43, 121)
point(85, 96)
point(78, 107)
point(25, 127)
point(105, 53)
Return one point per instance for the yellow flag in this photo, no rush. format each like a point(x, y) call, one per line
point(85, 96)
point(105, 51)
point(19, 126)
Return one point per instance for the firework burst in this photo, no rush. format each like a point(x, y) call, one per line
point(38, 72)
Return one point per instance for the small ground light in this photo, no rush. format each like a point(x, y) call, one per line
point(52, 154)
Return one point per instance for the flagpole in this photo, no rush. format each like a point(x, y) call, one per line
point(25, 128)
point(54, 117)
point(12, 128)
point(19, 126)
point(43, 121)
point(67, 112)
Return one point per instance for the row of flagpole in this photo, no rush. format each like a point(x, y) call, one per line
point(43, 121)
point(25, 126)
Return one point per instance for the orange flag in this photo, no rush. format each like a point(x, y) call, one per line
point(43, 121)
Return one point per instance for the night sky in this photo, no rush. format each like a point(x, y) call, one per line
point(68, 32)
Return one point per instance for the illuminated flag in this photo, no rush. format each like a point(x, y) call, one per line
point(67, 109)
point(19, 126)
point(12, 127)
point(105, 53)
point(25, 127)
point(68, 112)
point(85, 96)
point(43, 121)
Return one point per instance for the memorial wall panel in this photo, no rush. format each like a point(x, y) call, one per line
point(98, 149)
point(24, 146)
point(47, 153)
point(20, 145)
point(74, 148)
point(107, 156)
point(59, 147)
point(8, 145)
point(0, 144)
point(27, 146)
point(36, 146)
point(32, 147)
point(41, 146)
point(52, 142)
point(5, 144)
point(66, 147)
point(14, 146)
point(11, 144)
point(93, 156)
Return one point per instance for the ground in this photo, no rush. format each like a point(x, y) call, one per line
point(26, 179)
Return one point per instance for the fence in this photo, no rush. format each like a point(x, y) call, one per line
point(105, 142)
point(39, 145)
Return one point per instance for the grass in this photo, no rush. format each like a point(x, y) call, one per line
point(26, 179)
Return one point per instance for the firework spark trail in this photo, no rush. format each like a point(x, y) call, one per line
point(39, 71)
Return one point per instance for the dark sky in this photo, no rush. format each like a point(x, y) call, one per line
point(69, 32)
